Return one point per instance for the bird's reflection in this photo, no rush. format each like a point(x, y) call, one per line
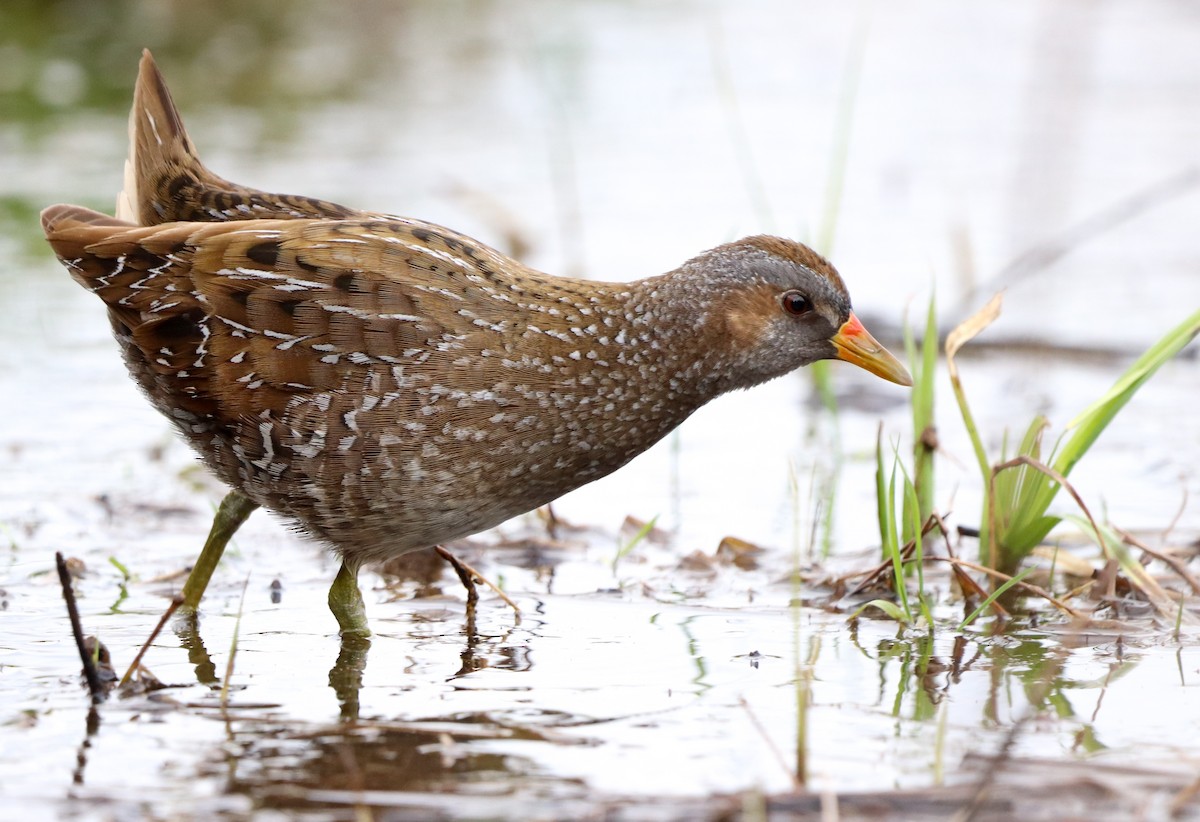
point(479, 651)
point(346, 675)
point(187, 630)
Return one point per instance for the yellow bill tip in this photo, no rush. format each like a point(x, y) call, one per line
point(855, 345)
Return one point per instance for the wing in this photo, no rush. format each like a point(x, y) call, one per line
point(228, 320)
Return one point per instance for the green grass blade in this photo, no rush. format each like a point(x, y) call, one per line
point(1022, 496)
point(996, 594)
point(924, 423)
point(898, 579)
point(890, 608)
point(912, 509)
point(881, 501)
point(1015, 518)
point(960, 336)
point(624, 550)
point(1088, 425)
point(912, 525)
point(923, 365)
point(955, 340)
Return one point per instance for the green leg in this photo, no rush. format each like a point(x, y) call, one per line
point(346, 602)
point(231, 513)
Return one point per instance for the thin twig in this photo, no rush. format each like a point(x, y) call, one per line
point(1166, 535)
point(176, 601)
point(95, 686)
point(1037, 465)
point(1176, 566)
point(1033, 589)
point(906, 553)
point(874, 573)
point(940, 519)
point(1136, 575)
point(1079, 590)
point(971, 590)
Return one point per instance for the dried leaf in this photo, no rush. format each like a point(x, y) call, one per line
point(970, 328)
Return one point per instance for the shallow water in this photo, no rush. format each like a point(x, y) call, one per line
point(612, 140)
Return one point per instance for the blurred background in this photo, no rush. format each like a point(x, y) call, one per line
point(615, 139)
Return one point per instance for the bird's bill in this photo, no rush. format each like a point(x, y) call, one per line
point(855, 345)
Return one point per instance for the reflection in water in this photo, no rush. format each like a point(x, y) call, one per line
point(81, 754)
point(478, 655)
point(508, 650)
point(346, 676)
point(503, 652)
point(697, 656)
point(1007, 680)
point(914, 679)
point(187, 629)
point(428, 571)
point(285, 767)
point(291, 766)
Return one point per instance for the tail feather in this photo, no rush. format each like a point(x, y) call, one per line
point(159, 321)
point(165, 181)
point(159, 149)
point(58, 217)
point(71, 230)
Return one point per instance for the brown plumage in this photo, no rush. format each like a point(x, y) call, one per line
point(390, 384)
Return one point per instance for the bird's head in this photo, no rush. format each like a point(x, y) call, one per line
point(774, 305)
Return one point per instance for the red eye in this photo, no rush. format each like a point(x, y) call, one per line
point(795, 303)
